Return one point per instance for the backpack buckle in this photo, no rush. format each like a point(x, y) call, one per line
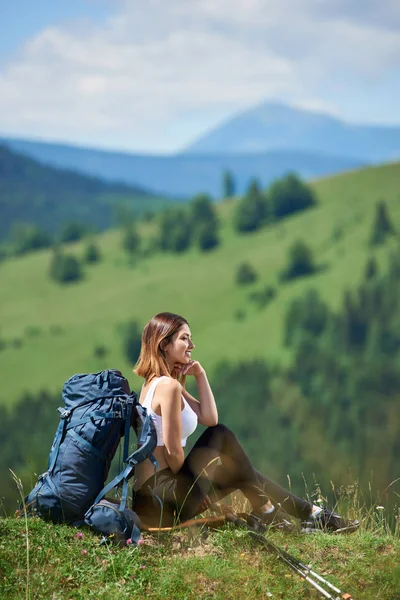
point(65, 414)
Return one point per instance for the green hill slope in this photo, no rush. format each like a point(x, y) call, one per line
point(49, 332)
point(46, 196)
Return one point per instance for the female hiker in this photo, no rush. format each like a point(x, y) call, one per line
point(217, 464)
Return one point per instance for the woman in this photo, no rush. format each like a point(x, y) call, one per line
point(217, 464)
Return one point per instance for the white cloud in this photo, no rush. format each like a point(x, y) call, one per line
point(139, 71)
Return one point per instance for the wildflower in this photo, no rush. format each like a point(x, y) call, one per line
point(129, 542)
point(140, 542)
point(84, 552)
point(142, 567)
point(79, 535)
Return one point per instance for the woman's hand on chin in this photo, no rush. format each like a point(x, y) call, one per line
point(193, 367)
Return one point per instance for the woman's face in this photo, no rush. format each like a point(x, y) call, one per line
point(178, 351)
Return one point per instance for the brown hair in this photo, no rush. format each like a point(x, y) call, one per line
point(151, 362)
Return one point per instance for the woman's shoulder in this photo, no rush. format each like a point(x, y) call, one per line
point(169, 384)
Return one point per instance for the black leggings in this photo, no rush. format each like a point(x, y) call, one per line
point(216, 466)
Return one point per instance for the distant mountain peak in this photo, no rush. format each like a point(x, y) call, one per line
point(273, 125)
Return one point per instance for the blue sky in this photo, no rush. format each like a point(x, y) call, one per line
point(151, 75)
point(24, 18)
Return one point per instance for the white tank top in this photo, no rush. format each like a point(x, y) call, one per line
point(189, 417)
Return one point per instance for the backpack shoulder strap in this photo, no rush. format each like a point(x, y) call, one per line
point(149, 437)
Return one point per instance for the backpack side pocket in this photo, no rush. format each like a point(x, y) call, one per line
point(106, 518)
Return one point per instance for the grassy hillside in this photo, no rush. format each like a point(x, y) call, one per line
point(49, 331)
point(190, 564)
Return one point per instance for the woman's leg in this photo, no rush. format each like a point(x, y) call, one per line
point(156, 501)
point(181, 494)
point(290, 503)
point(235, 471)
point(215, 466)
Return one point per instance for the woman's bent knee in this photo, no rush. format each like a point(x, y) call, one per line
point(222, 430)
point(219, 427)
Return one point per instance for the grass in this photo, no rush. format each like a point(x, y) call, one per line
point(195, 563)
point(41, 560)
point(50, 331)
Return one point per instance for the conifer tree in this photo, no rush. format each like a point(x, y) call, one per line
point(228, 186)
point(288, 195)
point(382, 225)
point(131, 342)
point(65, 268)
point(371, 268)
point(251, 211)
point(72, 231)
point(245, 274)
point(207, 236)
point(300, 261)
point(130, 240)
point(204, 222)
point(92, 253)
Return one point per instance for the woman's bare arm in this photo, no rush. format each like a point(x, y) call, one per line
point(169, 396)
point(206, 408)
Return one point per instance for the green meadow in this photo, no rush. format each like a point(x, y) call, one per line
point(49, 331)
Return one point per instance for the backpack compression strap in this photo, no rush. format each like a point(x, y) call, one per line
point(68, 423)
point(65, 414)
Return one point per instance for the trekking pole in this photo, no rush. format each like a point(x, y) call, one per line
point(304, 571)
point(298, 567)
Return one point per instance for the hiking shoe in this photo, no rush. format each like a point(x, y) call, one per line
point(328, 521)
point(272, 519)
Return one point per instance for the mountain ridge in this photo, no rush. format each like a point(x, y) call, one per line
point(46, 196)
point(181, 175)
point(273, 125)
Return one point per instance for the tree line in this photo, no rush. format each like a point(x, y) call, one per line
point(346, 365)
point(284, 196)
